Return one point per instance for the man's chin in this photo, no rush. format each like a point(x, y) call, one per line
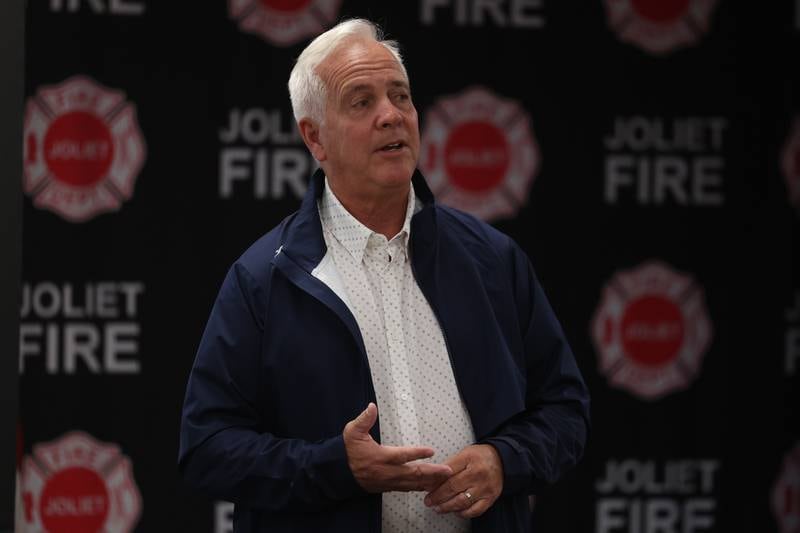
point(396, 174)
point(395, 180)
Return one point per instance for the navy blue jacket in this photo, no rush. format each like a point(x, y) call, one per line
point(281, 369)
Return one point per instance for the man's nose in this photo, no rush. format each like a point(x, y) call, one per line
point(390, 116)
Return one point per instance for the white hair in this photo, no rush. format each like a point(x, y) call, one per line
point(307, 91)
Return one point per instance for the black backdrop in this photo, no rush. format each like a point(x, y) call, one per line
point(11, 62)
point(642, 152)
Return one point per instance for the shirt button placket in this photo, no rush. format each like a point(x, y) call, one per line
point(392, 278)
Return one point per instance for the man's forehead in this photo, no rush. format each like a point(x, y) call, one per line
point(352, 62)
point(359, 85)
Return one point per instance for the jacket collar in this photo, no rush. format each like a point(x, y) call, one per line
point(304, 242)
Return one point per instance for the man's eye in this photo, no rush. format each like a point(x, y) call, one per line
point(361, 103)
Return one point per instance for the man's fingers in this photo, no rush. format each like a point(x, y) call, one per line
point(419, 476)
point(366, 419)
point(436, 476)
point(399, 455)
point(447, 490)
point(477, 509)
point(459, 502)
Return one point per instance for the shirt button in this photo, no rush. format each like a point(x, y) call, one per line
point(404, 396)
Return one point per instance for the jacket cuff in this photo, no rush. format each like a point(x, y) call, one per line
point(516, 477)
point(333, 471)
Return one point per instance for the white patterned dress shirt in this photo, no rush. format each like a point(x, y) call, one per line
point(417, 397)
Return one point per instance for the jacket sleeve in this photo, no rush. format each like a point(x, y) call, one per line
point(224, 449)
point(539, 445)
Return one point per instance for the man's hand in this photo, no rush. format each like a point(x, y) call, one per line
point(476, 484)
point(386, 468)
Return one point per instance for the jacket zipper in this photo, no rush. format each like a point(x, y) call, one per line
point(369, 385)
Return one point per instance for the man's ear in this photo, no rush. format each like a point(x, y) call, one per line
point(309, 130)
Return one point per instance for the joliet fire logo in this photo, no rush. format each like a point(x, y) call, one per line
point(82, 149)
point(284, 22)
point(651, 330)
point(76, 483)
point(786, 493)
point(791, 164)
point(479, 154)
point(659, 26)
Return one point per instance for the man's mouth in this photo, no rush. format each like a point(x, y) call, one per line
point(392, 147)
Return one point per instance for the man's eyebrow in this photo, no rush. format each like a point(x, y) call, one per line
point(358, 88)
point(366, 87)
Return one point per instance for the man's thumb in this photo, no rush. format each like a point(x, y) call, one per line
point(364, 421)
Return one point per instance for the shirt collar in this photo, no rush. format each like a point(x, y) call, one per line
point(351, 233)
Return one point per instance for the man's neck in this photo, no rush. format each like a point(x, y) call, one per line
point(384, 214)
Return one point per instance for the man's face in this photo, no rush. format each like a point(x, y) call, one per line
point(369, 140)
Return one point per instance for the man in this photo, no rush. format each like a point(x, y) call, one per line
point(378, 362)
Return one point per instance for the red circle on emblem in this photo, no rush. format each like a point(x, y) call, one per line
point(74, 499)
point(661, 10)
point(285, 5)
point(652, 330)
point(78, 148)
point(476, 156)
